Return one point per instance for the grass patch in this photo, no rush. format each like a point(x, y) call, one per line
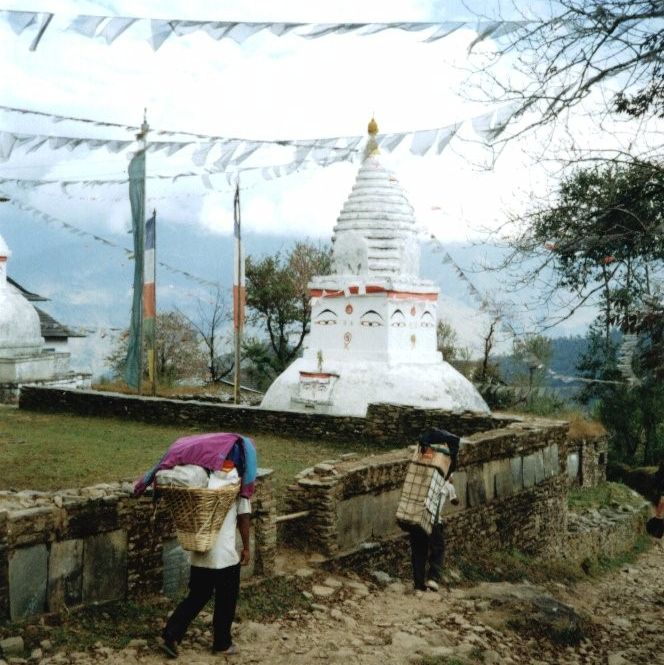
point(57, 451)
point(602, 564)
point(116, 624)
point(515, 566)
point(113, 624)
point(440, 660)
point(271, 599)
point(604, 495)
point(565, 631)
point(581, 427)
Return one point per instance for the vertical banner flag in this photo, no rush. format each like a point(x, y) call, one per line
point(239, 290)
point(150, 296)
point(133, 363)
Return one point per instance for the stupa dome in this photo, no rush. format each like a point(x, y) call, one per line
point(20, 330)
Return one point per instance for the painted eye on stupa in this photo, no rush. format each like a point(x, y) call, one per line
point(371, 319)
point(326, 318)
point(398, 319)
point(427, 320)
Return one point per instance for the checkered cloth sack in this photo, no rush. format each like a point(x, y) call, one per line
point(422, 490)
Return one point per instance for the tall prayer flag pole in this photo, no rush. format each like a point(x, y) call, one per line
point(134, 361)
point(239, 291)
point(150, 298)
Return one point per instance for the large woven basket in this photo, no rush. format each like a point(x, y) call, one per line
point(198, 513)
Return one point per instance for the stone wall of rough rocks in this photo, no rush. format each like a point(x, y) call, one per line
point(80, 547)
point(603, 532)
point(593, 454)
point(586, 463)
point(384, 422)
point(512, 490)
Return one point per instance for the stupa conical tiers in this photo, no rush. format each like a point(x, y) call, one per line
point(373, 321)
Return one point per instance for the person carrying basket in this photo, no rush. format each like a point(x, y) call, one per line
point(426, 488)
point(231, 461)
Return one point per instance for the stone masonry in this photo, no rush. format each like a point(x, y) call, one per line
point(511, 486)
point(80, 547)
point(387, 423)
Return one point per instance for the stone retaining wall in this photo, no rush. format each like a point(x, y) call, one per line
point(605, 532)
point(80, 547)
point(590, 535)
point(587, 460)
point(512, 491)
point(384, 422)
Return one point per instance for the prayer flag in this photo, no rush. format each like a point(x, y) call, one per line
point(239, 290)
point(133, 364)
point(149, 295)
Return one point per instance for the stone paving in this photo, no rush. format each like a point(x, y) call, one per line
point(370, 623)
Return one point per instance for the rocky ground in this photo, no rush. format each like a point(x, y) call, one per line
point(615, 620)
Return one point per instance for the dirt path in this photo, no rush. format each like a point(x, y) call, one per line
point(354, 622)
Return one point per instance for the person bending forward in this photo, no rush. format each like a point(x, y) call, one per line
point(217, 572)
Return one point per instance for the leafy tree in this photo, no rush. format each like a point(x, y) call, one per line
point(178, 354)
point(564, 50)
point(446, 340)
point(599, 363)
point(534, 352)
point(278, 299)
point(631, 411)
point(259, 363)
point(600, 241)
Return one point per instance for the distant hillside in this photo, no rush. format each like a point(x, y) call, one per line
point(567, 352)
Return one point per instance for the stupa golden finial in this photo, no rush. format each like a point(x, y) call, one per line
point(372, 144)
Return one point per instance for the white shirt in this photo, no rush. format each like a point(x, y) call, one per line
point(448, 492)
point(223, 552)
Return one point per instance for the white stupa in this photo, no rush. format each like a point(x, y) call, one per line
point(23, 358)
point(373, 320)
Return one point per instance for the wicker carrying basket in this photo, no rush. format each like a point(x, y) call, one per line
point(199, 513)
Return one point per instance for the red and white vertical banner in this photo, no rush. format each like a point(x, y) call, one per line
point(239, 292)
point(239, 286)
point(150, 297)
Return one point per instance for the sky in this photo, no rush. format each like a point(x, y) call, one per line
point(267, 88)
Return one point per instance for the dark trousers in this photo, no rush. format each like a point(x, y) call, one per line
point(203, 582)
point(425, 550)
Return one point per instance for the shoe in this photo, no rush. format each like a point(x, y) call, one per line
point(170, 647)
point(231, 651)
point(432, 585)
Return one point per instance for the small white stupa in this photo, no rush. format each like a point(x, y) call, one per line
point(373, 321)
point(23, 358)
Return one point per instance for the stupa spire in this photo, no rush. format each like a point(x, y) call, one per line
point(372, 144)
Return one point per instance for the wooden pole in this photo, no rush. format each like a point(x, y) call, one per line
point(238, 292)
